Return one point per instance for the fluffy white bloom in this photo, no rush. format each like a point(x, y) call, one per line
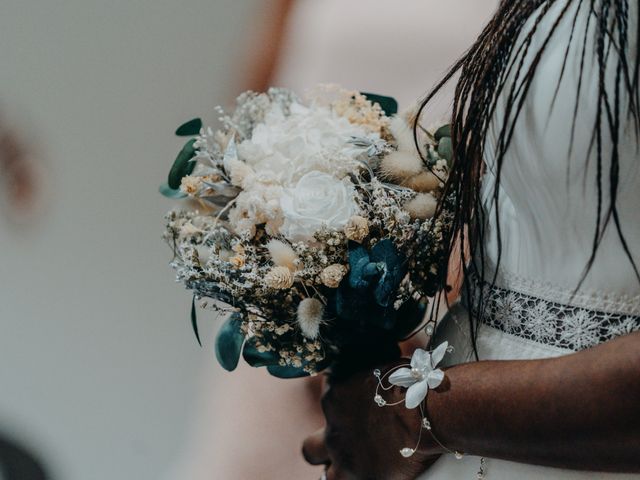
point(318, 200)
point(289, 146)
point(260, 204)
point(422, 375)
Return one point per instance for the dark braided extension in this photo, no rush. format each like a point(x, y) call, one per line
point(497, 73)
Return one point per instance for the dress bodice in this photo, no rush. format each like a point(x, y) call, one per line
point(548, 196)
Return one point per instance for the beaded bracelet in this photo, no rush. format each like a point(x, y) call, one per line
point(418, 377)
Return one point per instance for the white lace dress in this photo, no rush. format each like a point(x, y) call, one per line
point(547, 219)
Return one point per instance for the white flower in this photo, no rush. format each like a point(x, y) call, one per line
point(318, 200)
point(422, 375)
point(308, 139)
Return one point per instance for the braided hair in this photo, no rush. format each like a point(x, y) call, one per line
point(494, 68)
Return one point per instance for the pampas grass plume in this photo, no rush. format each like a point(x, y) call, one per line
point(423, 182)
point(282, 254)
point(401, 165)
point(422, 207)
point(310, 312)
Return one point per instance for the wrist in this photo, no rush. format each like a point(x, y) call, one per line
point(439, 413)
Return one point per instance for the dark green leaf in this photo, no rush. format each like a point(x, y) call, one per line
point(169, 192)
point(187, 129)
point(229, 342)
point(286, 372)
point(444, 131)
point(445, 149)
point(386, 253)
point(194, 320)
point(256, 358)
point(388, 104)
point(182, 165)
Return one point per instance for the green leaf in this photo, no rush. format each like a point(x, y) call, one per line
point(169, 192)
point(286, 372)
point(182, 165)
point(187, 129)
point(388, 104)
point(194, 320)
point(445, 149)
point(229, 342)
point(444, 131)
point(256, 358)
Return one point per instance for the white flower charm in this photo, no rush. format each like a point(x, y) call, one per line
point(422, 375)
point(318, 200)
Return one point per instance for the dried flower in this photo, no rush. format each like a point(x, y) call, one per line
point(401, 165)
point(333, 275)
point(189, 230)
point(237, 261)
point(310, 312)
point(282, 254)
point(422, 207)
point(239, 172)
point(423, 182)
point(191, 185)
point(279, 278)
point(357, 229)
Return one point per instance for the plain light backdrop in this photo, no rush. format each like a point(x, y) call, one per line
point(98, 366)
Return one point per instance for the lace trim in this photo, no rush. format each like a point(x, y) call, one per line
point(550, 322)
point(591, 300)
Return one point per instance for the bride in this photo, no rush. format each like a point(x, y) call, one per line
point(545, 379)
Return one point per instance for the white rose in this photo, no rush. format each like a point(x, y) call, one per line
point(287, 147)
point(318, 200)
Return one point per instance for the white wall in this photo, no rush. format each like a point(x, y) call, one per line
point(98, 366)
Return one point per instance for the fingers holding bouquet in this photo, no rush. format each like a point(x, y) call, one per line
point(362, 439)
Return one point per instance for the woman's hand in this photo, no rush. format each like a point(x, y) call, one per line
point(362, 440)
point(579, 411)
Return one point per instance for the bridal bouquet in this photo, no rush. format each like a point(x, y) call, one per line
point(310, 225)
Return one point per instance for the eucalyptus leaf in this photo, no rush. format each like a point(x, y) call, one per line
point(386, 253)
point(388, 104)
point(229, 342)
point(359, 271)
point(256, 358)
point(169, 192)
point(194, 320)
point(190, 128)
point(445, 149)
point(183, 165)
point(286, 372)
point(444, 131)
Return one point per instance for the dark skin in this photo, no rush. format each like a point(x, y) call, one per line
point(580, 411)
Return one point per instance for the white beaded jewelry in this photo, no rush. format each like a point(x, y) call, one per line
point(421, 370)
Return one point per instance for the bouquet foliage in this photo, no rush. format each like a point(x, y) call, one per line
point(311, 225)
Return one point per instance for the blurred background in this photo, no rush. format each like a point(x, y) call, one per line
point(100, 376)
